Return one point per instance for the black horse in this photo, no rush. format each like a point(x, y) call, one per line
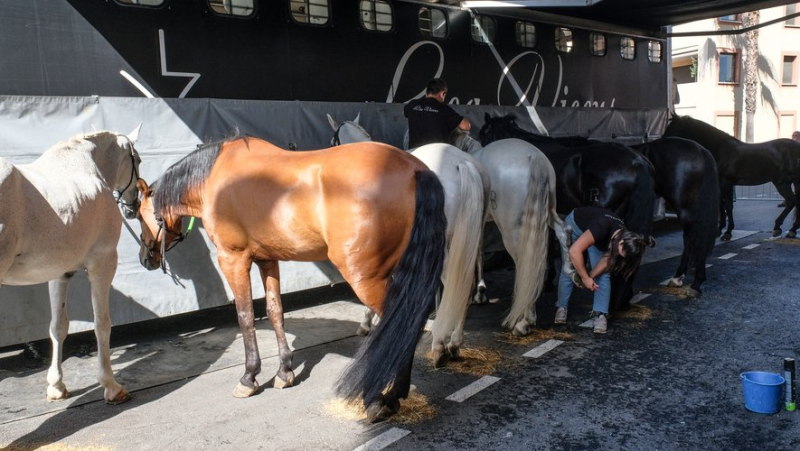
point(686, 177)
point(589, 172)
point(738, 163)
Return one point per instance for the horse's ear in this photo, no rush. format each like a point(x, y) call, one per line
point(355, 121)
point(134, 135)
point(333, 123)
point(141, 185)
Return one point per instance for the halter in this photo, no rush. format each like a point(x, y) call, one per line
point(180, 236)
point(134, 176)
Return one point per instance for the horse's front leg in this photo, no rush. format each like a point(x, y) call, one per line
point(236, 269)
point(727, 206)
point(59, 327)
point(270, 274)
point(101, 273)
point(366, 324)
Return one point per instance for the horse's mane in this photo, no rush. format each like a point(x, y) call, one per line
point(188, 173)
point(696, 130)
point(78, 142)
point(510, 128)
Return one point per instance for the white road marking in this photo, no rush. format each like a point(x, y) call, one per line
point(383, 440)
point(727, 256)
point(751, 246)
point(708, 265)
point(665, 282)
point(587, 323)
point(473, 388)
point(542, 349)
point(639, 298)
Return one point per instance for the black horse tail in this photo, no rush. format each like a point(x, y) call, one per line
point(706, 214)
point(639, 217)
point(389, 349)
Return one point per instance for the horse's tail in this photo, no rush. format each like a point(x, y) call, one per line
point(531, 253)
point(462, 254)
point(639, 217)
point(706, 213)
point(410, 294)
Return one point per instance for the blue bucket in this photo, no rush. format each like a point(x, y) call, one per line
point(763, 392)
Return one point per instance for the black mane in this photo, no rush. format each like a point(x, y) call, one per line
point(188, 173)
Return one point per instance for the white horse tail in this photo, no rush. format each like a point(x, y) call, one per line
point(531, 254)
point(458, 275)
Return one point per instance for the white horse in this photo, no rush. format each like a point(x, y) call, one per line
point(523, 206)
point(58, 215)
point(466, 190)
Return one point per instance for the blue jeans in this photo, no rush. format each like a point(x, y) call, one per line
point(603, 281)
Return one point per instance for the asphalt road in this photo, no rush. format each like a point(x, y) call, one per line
point(666, 376)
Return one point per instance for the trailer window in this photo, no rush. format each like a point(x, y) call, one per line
point(376, 15)
point(142, 2)
point(627, 48)
point(483, 29)
point(432, 22)
point(597, 41)
point(526, 34)
point(232, 7)
point(312, 12)
point(654, 51)
point(564, 40)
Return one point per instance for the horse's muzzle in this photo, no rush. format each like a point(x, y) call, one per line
point(150, 263)
point(130, 211)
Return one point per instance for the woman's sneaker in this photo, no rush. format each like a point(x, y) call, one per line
point(600, 324)
point(561, 316)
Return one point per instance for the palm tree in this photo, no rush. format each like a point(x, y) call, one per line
point(750, 72)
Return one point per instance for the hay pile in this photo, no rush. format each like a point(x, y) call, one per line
point(789, 241)
point(412, 410)
point(679, 292)
point(535, 335)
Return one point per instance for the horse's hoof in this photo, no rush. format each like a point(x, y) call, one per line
point(675, 282)
point(692, 293)
point(726, 236)
point(122, 397)
point(55, 394)
point(791, 234)
point(454, 351)
point(362, 331)
point(521, 329)
point(243, 391)
point(439, 357)
point(776, 233)
point(378, 412)
point(281, 383)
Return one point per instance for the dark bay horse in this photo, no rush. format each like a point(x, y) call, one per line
point(686, 177)
point(739, 163)
point(608, 175)
point(374, 211)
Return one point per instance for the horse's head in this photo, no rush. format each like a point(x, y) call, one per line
point(125, 190)
point(158, 230)
point(496, 128)
point(348, 132)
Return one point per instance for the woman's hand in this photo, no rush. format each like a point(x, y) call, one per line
point(589, 284)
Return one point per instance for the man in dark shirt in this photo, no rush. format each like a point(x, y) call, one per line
point(430, 120)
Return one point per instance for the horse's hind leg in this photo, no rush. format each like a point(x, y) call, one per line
point(101, 272)
point(236, 269)
point(270, 274)
point(785, 190)
point(726, 205)
point(59, 327)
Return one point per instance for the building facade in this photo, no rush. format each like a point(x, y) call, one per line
point(709, 72)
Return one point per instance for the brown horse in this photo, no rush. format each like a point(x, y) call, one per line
point(374, 211)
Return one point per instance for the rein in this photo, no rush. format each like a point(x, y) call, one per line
point(134, 176)
point(180, 236)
